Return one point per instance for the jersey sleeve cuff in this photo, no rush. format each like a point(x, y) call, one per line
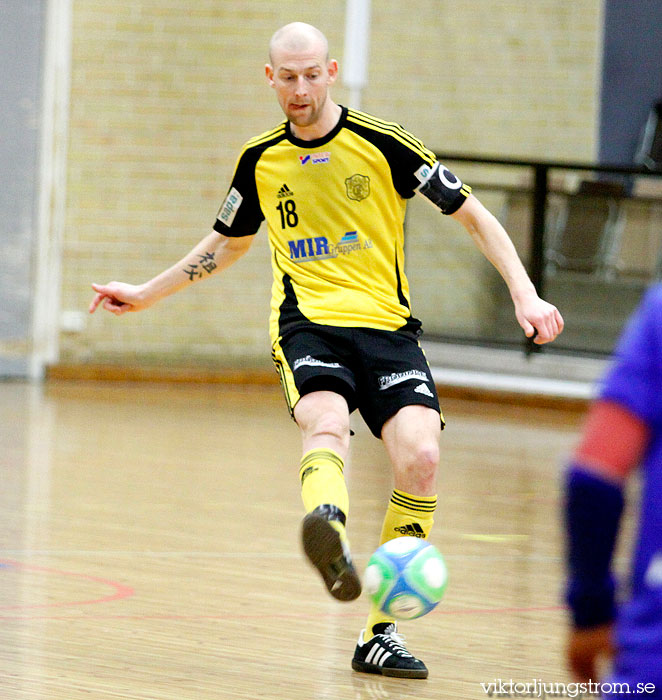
point(221, 228)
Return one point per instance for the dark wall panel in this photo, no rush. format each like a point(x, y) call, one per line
point(631, 75)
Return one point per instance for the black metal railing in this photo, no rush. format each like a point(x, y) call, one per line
point(539, 190)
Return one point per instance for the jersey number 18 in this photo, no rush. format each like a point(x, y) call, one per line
point(288, 214)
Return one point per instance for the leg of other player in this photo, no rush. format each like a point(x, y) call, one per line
point(323, 417)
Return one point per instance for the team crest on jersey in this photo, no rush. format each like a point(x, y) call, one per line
point(358, 187)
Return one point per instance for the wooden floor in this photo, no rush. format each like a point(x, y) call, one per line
point(150, 549)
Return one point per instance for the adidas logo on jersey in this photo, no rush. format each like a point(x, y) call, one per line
point(284, 191)
point(413, 530)
point(423, 389)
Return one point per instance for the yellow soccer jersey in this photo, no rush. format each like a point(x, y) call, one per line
point(335, 210)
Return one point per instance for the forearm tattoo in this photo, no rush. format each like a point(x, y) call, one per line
point(205, 264)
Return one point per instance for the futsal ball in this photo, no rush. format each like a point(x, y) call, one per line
point(406, 577)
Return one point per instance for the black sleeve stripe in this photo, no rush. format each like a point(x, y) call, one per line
point(248, 216)
point(423, 153)
point(400, 134)
point(404, 158)
point(267, 138)
point(394, 130)
point(369, 119)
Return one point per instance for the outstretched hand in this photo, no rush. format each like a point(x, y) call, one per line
point(539, 319)
point(118, 298)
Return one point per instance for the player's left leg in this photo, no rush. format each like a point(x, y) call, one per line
point(411, 438)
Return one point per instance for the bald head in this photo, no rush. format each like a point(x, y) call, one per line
point(298, 37)
point(301, 73)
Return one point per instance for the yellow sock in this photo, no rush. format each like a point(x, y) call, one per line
point(323, 483)
point(405, 515)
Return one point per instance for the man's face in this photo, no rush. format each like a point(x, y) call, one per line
point(301, 81)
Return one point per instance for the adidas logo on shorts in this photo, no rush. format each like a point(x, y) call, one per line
point(423, 389)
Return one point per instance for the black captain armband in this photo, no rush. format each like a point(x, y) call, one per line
point(441, 188)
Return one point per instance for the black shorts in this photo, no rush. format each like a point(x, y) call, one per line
point(376, 371)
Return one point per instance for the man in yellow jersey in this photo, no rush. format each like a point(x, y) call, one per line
point(332, 184)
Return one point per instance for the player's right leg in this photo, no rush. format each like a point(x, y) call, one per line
point(318, 380)
point(319, 386)
point(323, 417)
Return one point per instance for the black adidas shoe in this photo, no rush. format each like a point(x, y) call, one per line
point(385, 653)
point(329, 555)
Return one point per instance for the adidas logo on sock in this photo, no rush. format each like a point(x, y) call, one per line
point(413, 530)
point(284, 191)
point(423, 389)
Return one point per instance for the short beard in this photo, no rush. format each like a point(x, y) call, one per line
point(310, 119)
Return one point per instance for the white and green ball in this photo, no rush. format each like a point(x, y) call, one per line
point(406, 577)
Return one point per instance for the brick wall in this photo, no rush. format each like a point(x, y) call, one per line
point(164, 92)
